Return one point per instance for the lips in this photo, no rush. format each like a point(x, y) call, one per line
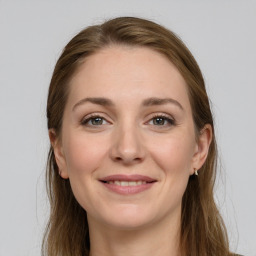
point(121, 177)
point(127, 184)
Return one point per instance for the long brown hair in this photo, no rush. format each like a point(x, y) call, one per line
point(202, 229)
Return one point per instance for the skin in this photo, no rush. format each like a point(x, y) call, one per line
point(128, 139)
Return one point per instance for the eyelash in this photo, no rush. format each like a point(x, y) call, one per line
point(91, 117)
point(170, 121)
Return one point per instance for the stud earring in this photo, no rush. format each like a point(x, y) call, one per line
point(196, 173)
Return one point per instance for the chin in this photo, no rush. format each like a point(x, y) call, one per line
point(129, 217)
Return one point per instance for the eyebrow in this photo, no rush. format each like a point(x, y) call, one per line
point(159, 101)
point(98, 101)
point(147, 102)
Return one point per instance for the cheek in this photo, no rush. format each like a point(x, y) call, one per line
point(174, 157)
point(83, 153)
point(173, 154)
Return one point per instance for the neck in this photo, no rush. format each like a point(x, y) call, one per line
point(159, 239)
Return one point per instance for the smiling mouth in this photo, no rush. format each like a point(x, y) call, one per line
point(127, 183)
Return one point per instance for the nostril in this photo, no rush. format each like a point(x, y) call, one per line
point(128, 160)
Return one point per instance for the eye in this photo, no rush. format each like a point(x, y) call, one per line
point(94, 120)
point(161, 120)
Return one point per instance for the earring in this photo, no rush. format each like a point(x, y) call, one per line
point(196, 173)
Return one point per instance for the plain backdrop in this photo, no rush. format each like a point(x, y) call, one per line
point(220, 34)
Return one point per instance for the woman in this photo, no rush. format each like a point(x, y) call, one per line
point(132, 162)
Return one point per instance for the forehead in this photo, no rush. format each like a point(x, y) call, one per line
point(128, 73)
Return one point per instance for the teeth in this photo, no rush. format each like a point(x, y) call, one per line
point(127, 183)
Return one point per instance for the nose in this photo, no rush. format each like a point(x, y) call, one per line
point(127, 147)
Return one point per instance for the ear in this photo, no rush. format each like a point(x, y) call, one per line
point(202, 148)
point(58, 153)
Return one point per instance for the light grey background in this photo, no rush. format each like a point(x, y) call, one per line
point(220, 34)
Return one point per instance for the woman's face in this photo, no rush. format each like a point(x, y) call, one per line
point(128, 142)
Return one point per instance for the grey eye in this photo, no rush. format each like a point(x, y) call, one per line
point(97, 121)
point(159, 121)
point(94, 121)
